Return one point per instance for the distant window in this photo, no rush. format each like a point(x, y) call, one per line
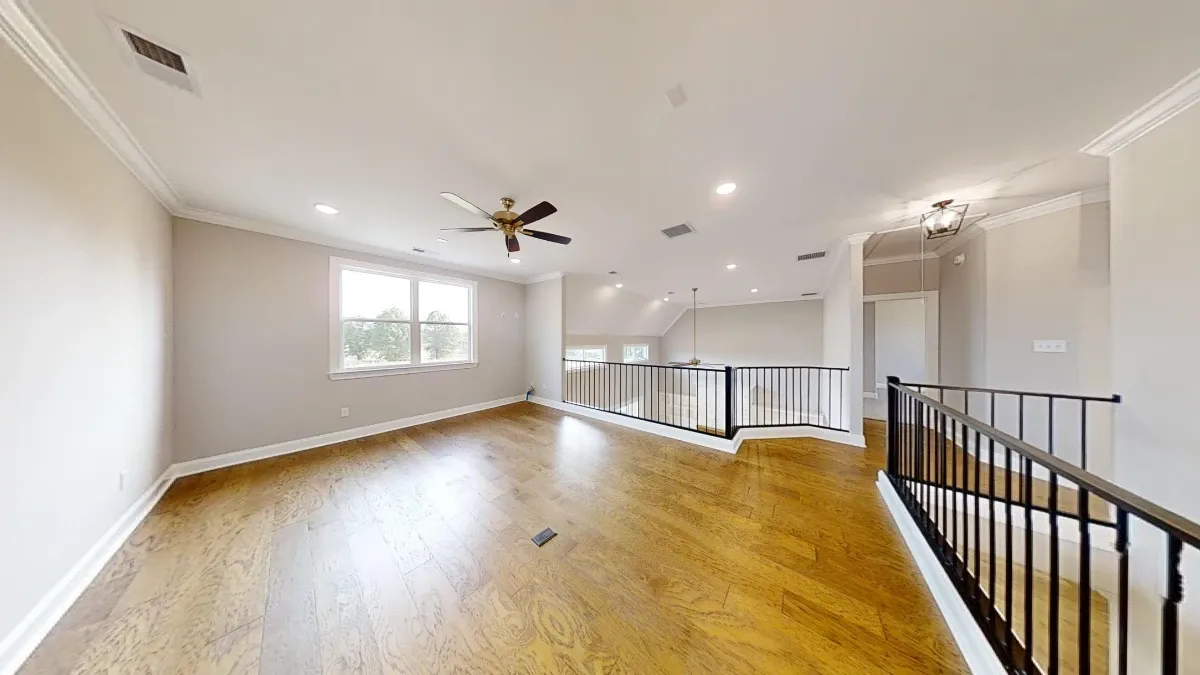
point(577, 354)
point(387, 320)
point(634, 353)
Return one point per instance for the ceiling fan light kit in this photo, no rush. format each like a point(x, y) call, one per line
point(508, 221)
point(945, 220)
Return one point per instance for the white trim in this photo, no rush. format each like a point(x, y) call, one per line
point(1071, 201)
point(976, 650)
point(400, 370)
point(858, 238)
point(289, 447)
point(338, 371)
point(705, 440)
point(1181, 96)
point(549, 276)
point(22, 29)
point(932, 332)
point(674, 321)
point(873, 394)
point(911, 257)
point(16, 647)
point(765, 301)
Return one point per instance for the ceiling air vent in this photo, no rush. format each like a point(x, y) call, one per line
point(809, 295)
point(810, 256)
point(678, 230)
point(152, 58)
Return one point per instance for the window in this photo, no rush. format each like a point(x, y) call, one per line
point(585, 354)
point(385, 320)
point(635, 353)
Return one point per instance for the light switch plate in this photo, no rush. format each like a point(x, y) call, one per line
point(1050, 346)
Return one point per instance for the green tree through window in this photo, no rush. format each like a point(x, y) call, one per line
point(439, 340)
point(374, 342)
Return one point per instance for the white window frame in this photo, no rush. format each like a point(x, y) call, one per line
point(574, 366)
point(337, 370)
point(636, 344)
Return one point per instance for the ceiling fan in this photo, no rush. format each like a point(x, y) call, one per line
point(508, 222)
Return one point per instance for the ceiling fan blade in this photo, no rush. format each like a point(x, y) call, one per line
point(467, 229)
point(510, 241)
point(537, 213)
point(467, 205)
point(547, 236)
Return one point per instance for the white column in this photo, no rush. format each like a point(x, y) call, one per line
point(843, 313)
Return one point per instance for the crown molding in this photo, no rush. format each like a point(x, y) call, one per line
point(21, 28)
point(549, 276)
point(674, 321)
point(911, 257)
point(1071, 201)
point(859, 238)
point(1149, 117)
point(296, 234)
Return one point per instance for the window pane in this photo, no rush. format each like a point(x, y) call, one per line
point(375, 296)
point(371, 343)
point(637, 352)
point(586, 353)
point(444, 302)
point(441, 343)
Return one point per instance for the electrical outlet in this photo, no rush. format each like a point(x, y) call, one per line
point(1050, 346)
point(345, 412)
point(121, 480)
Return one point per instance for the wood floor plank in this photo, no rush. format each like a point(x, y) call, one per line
point(290, 633)
point(410, 552)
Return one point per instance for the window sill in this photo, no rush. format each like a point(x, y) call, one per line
point(399, 370)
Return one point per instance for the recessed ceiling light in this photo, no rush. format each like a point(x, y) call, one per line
point(726, 188)
point(753, 290)
point(731, 266)
point(326, 209)
point(514, 261)
point(620, 285)
point(666, 299)
point(443, 240)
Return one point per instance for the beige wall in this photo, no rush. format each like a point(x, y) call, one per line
point(85, 295)
point(615, 344)
point(962, 338)
point(252, 345)
point(545, 331)
point(1155, 237)
point(766, 334)
point(900, 277)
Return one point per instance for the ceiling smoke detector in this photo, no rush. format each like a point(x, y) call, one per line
point(155, 59)
point(678, 230)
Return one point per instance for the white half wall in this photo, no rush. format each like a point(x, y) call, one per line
point(85, 296)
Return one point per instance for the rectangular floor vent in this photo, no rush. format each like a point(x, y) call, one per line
point(811, 256)
point(678, 230)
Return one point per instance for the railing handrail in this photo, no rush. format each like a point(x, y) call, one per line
point(795, 366)
point(1169, 521)
point(1114, 398)
point(643, 364)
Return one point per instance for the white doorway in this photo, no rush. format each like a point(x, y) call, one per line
point(903, 340)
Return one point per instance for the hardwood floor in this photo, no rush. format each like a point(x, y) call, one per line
point(410, 553)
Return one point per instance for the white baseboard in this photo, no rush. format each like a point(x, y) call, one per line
point(25, 637)
point(704, 440)
point(973, 644)
point(288, 447)
point(16, 647)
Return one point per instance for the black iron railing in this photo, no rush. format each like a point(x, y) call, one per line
point(968, 485)
point(714, 400)
point(784, 396)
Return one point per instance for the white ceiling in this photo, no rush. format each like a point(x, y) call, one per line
point(832, 116)
point(595, 306)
